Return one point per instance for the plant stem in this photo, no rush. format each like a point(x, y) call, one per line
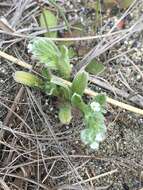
point(87, 91)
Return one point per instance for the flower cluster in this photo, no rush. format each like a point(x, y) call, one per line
point(96, 129)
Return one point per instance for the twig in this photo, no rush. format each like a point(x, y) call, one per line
point(5, 5)
point(87, 91)
point(4, 25)
point(97, 177)
point(137, 99)
point(15, 60)
point(135, 66)
point(84, 38)
point(4, 185)
point(20, 34)
point(27, 180)
point(13, 107)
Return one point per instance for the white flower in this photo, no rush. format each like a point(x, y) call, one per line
point(94, 145)
point(100, 137)
point(95, 106)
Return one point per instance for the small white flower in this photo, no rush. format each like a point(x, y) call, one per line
point(100, 137)
point(95, 106)
point(94, 145)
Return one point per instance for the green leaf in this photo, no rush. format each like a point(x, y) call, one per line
point(46, 73)
point(63, 65)
point(64, 90)
point(28, 79)
point(78, 102)
point(95, 130)
point(101, 99)
point(72, 52)
point(80, 82)
point(48, 53)
point(45, 51)
point(94, 68)
point(48, 19)
point(91, 137)
point(65, 114)
point(51, 89)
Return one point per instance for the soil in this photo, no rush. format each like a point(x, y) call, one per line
point(36, 151)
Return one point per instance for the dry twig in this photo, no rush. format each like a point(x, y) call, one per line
point(98, 176)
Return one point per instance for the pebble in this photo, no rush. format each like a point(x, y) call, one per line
point(51, 109)
point(138, 77)
point(2, 70)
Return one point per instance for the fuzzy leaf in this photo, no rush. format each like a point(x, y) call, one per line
point(45, 51)
point(95, 130)
point(72, 52)
point(47, 18)
point(101, 99)
point(64, 66)
point(80, 82)
point(51, 89)
point(94, 68)
point(91, 137)
point(77, 102)
point(65, 114)
point(64, 90)
point(46, 73)
point(28, 79)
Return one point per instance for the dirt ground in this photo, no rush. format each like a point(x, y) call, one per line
point(36, 151)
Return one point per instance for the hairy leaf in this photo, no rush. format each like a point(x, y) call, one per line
point(65, 113)
point(95, 130)
point(94, 67)
point(51, 89)
point(64, 90)
point(48, 53)
point(101, 99)
point(80, 82)
point(28, 79)
point(46, 73)
point(63, 65)
point(45, 51)
point(78, 102)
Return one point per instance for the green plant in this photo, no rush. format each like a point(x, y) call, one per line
point(48, 19)
point(56, 59)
